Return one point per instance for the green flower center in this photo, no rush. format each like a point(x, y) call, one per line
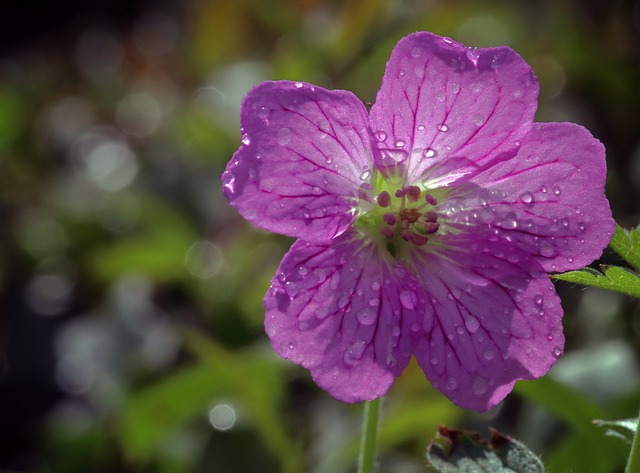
point(400, 216)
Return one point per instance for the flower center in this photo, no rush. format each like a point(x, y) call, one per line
point(407, 215)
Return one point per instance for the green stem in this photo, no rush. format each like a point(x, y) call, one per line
point(633, 464)
point(369, 440)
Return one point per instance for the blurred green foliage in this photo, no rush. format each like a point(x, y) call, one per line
point(140, 290)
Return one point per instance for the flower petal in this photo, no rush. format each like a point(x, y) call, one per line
point(491, 321)
point(439, 99)
point(345, 315)
point(305, 154)
point(549, 199)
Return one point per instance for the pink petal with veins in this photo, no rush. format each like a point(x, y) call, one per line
point(549, 199)
point(439, 100)
point(489, 321)
point(305, 156)
point(344, 314)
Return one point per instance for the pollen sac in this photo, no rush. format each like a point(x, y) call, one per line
point(408, 217)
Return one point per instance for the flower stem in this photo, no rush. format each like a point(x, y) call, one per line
point(369, 440)
point(633, 464)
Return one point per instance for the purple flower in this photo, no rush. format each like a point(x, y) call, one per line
point(425, 227)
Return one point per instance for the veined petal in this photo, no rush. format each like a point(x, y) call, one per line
point(344, 314)
point(439, 99)
point(492, 319)
point(306, 152)
point(549, 199)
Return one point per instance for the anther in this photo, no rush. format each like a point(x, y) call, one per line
point(430, 217)
point(413, 193)
point(387, 231)
point(390, 219)
point(431, 199)
point(418, 240)
point(384, 199)
point(431, 227)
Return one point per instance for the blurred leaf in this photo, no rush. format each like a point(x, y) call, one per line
point(459, 451)
point(157, 250)
point(612, 278)
point(627, 244)
point(12, 117)
point(255, 381)
point(153, 413)
point(586, 444)
point(409, 419)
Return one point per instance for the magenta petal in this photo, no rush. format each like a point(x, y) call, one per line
point(439, 99)
point(304, 157)
point(345, 315)
point(549, 199)
point(493, 319)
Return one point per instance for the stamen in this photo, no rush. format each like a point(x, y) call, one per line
point(384, 199)
point(418, 240)
point(410, 215)
point(430, 217)
point(431, 199)
point(406, 236)
point(431, 227)
point(387, 231)
point(390, 219)
point(413, 193)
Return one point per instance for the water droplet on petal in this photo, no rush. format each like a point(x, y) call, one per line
point(263, 113)
point(478, 119)
point(400, 144)
point(472, 324)
point(321, 312)
point(429, 153)
point(479, 385)
point(391, 360)
point(527, 198)
point(343, 301)
point(283, 136)
point(416, 51)
point(473, 54)
point(538, 300)
point(299, 85)
point(354, 352)
point(420, 127)
point(366, 316)
point(489, 355)
point(250, 214)
point(391, 157)
point(452, 384)
point(442, 127)
point(246, 140)
point(291, 288)
point(381, 135)
point(374, 302)
point(228, 181)
point(408, 299)
point(547, 251)
point(557, 351)
point(556, 190)
point(440, 95)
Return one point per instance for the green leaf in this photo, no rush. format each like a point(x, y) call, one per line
point(612, 278)
point(459, 451)
point(627, 244)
